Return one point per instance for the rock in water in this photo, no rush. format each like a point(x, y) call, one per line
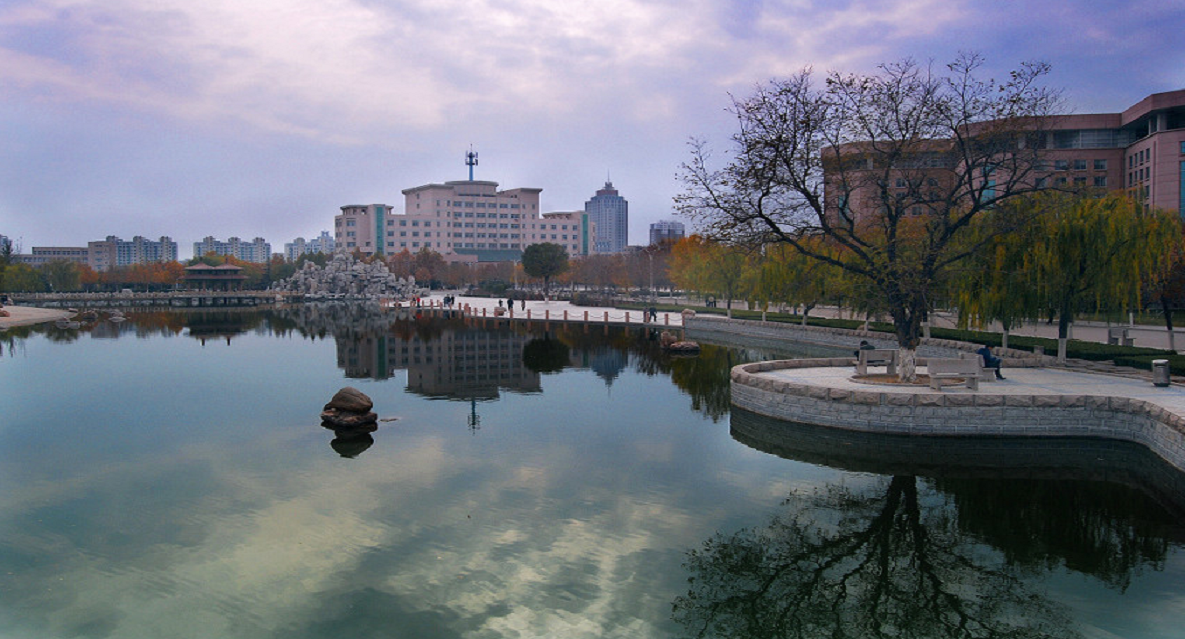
point(351, 400)
point(347, 420)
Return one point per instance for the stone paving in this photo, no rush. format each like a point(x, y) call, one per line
point(555, 308)
point(1020, 381)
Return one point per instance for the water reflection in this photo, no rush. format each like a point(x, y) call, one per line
point(883, 560)
point(351, 442)
point(948, 542)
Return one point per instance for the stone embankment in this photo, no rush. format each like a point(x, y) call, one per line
point(1032, 402)
point(1039, 398)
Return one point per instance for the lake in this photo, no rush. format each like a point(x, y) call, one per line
point(168, 476)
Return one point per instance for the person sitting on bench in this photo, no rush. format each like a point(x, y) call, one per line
point(864, 346)
point(990, 361)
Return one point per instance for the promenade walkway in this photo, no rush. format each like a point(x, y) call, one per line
point(554, 311)
point(1019, 382)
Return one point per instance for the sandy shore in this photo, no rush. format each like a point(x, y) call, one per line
point(26, 315)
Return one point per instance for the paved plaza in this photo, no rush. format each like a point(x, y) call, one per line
point(1020, 381)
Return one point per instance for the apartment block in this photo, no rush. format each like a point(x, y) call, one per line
point(322, 244)
point(258, 250)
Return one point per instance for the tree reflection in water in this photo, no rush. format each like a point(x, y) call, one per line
point(886, 560)
point(944, 544)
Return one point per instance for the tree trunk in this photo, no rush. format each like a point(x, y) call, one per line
point(1167, 308)
point(1063, 330)
point(907, 364)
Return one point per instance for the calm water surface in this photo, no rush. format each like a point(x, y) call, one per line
point(168, 477)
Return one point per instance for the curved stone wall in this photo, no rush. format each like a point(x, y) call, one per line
point(935, 413)
point(774, 334)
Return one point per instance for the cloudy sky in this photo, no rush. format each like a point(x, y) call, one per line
point(262, 118)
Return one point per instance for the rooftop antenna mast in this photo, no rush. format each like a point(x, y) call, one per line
point(471, 161)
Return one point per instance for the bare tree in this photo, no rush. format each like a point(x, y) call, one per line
point(879, 175)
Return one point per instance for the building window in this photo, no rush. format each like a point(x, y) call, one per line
point(1181, 204)
point(1100, 165)
point(1100, 181)
point(1061, 165)
point(1079, 165)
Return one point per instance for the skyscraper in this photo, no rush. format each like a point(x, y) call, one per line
point(666, 231)
point(609, 214)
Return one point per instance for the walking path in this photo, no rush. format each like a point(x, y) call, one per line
point(555, 309)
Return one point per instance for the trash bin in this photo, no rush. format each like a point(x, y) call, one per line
point(1160, 372)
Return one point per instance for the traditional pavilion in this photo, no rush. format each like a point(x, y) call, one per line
point(224, 277)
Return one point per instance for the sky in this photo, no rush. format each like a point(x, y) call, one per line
point(263, 118)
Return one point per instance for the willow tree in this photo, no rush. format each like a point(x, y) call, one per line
point(890, 168)
point(707, 265)
point(782, 274)
point(1094, 252)
point(992, 286)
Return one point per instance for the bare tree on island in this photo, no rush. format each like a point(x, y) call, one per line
point(879, 175)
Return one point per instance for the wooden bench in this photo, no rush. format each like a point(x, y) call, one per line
point(1120, 335)
point(953, 371)
point(886, 357)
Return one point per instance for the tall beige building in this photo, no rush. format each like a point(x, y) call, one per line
point(465, 221)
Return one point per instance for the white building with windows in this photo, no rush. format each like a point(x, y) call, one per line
point(464, 221)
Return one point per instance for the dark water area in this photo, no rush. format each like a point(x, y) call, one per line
point(168, 476)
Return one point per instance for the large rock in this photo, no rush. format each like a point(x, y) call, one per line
point(351, 400)
point(350, 421)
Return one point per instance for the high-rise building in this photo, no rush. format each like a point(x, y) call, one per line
point(666, 231)
point(105, 254)
point(257, 250)
point(473, 220)
point(609, 214)
point(301, 246)
point(465, 221)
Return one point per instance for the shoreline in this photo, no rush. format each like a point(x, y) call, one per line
point(30, 315)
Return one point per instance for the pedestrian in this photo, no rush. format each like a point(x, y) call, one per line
point(990, 360)
point(524, 304)
point(864, 346)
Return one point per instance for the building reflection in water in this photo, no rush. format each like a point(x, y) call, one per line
point(457, 363)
